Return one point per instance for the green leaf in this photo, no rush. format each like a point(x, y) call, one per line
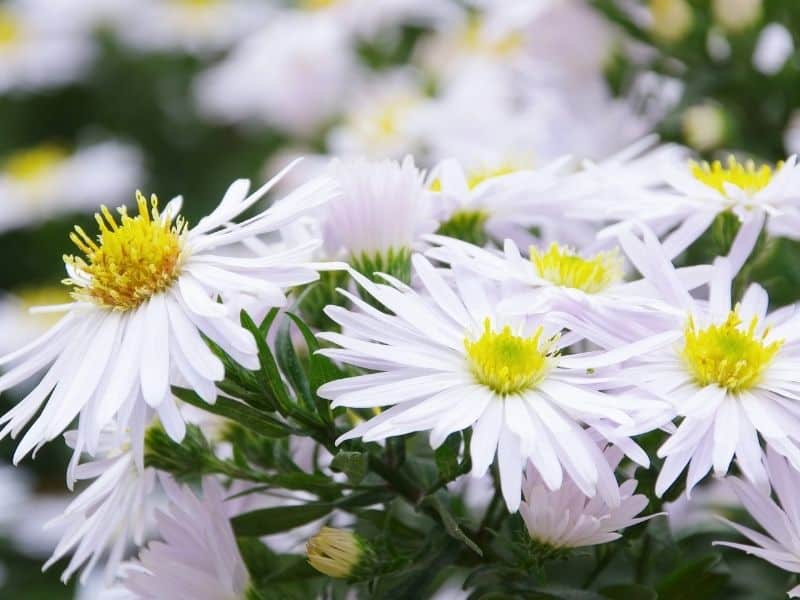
point(267, 521)
point(447, 457)
point(269, 368)
point(291, 366)
point(451, 526)
point(629, 592)
point(254, 420)
point(698, 580)
point(352, 464)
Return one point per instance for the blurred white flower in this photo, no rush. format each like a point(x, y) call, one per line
point(382, 119)
point(774, 47)
point(150, 281)
point(191, 26)
point(294, 75)
point(44, 181)
point(780, 545)
point(198, 558)
point(18, 324)
point(39, 52)
point(567, 518)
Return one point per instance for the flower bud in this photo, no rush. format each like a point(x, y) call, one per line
point(704, 126)
point(672, 19)
point(736, 15)
point(340, 553)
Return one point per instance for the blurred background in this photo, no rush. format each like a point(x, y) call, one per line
point(99, 98)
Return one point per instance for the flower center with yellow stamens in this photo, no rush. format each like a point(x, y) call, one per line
point(132, 260)
point(475, 38)
point(727, 355)
point(508, 363)
point(317, 4)
point(745, 176)
point(10, 30)
point(31, 164)
point(562, 266)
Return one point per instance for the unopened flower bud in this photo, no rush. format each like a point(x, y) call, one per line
point(672, 19)
point(704, 126)
point(340, 553)
point(736, 15)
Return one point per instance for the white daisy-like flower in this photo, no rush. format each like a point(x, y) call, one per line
point(730, 372)
point(150, 282)
point(44, 181)
point(191, 26)
point(113, 511)
point(448, 361)
point(198, 558)
point(780, 544)
point(293, 57)
point(591, 286)
point(381, 120)
point(380, 214)
point(698, 192)
point(567, 518)
point(37, 51)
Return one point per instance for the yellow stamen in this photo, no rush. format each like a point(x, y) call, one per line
point(31, 164)
point(728, 355)
point(132, 260)
point(745, 176)
point(508, 363)
point(562, 266)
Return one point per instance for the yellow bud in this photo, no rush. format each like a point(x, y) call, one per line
point(336, 552)
point(736, 15)
point(672, 19)
point(704, 126)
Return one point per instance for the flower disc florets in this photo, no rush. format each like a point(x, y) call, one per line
point(564, 267)
point(132, 260)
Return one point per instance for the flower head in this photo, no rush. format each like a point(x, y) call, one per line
point(338, 553)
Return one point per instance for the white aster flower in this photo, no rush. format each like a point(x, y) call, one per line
point(567, 518)
point(591, 286)
point(780, 545)
point(730, 372)
point(44, 181)
point(38, 52)
point(701, 191)
point(448, 361)
point(115, 510)
point(275, 76)
point(191, 26)
point(381, 121)
point(151, 282)
point(380, 213)
point(198, 559)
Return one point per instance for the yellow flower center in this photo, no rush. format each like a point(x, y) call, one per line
point(563, 267)
point(745, 176)
point(198, 4)
point(132, 260)
point(317, 4)
point(508, 363)
point(10, 30)
point(727, 355)
point(475, 38)
point(31, 164)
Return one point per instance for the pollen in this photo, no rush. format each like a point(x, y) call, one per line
point(746, 176)
point(728, 355)
point(562, 266)
point(508, 363)
point(131, 260)
point(31, 164)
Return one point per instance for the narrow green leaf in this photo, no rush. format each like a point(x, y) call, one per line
point(446, 457)
point(291, 366)
point(451, 525)
point(254, 420)
point(269, 368)
point(267, 521)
